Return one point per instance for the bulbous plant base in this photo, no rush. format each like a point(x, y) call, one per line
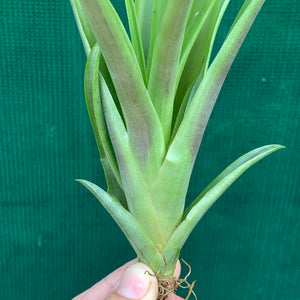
point(168, 284)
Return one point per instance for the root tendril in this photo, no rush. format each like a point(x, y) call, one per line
point(168, 284)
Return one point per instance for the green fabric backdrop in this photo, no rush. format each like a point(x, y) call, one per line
point(56, 240)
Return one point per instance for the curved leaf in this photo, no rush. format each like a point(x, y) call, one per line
point(201, 106)
point(188, 137)
point(86, 33)
point(197, 37)
point(94, 106)
point(199, 50)
point(165, 60)
point(143, 125)
point(215, 189)
point(141, 243)
point(134, 184)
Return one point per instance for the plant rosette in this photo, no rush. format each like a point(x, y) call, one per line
point(149, 94)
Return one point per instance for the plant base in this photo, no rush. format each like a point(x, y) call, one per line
point(168, 284)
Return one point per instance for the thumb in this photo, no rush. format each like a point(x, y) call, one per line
point(137, 282)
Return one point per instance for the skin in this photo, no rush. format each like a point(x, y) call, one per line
point(130, 281)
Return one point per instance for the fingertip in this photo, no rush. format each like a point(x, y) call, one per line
point(137, 282)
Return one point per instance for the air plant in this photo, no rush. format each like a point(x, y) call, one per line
point(150, 93)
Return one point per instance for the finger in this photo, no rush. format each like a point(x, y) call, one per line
point(137, 282)
point(102, 288)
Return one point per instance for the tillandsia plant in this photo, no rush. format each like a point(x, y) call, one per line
point(149, 94)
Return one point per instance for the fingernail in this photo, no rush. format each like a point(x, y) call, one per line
point(134, 283)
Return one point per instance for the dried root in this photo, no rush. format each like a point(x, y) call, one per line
point(168, 284)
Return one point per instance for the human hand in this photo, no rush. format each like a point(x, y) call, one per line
point(131, 281)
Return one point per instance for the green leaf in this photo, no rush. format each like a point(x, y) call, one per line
point(143, 125)
point(187, 140)
point(220, 13)
point(136, 36)
point(180, 106)
point(134, 184)
point(143, 7)
point(215, 189)
point(113, 186)
point(199, 39)
point(94, 106)
point(141, 243)
point(165, 60)
point(171, 256)
point(169, 189)
point(86, 33)
point(89, 41)
point(158, 10)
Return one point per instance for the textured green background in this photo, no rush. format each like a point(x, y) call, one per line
point(56, 240)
